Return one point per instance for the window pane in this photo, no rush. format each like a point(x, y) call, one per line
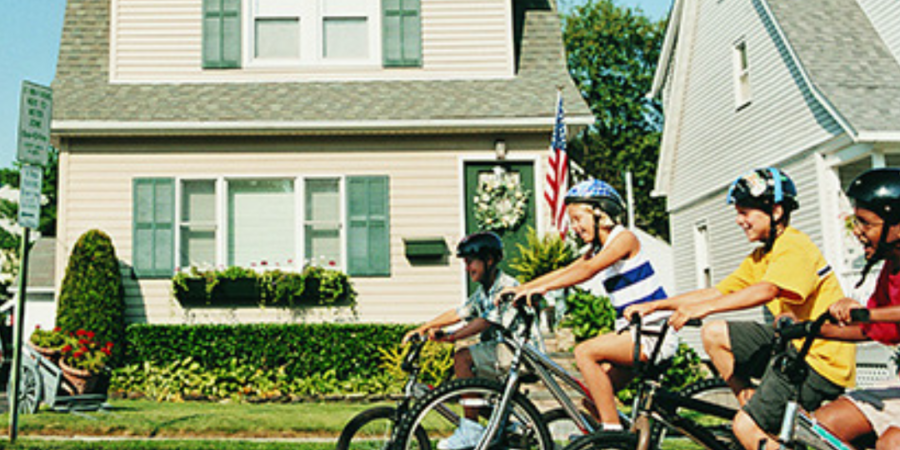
point(346, 38)
point(261, 223)
point(323, 245)
point(198, 224)
point(278, 38)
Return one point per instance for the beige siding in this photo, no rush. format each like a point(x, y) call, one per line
point(425, 184)
point(715, 140)
point(160, 41)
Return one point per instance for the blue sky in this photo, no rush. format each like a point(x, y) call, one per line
point(29, 45)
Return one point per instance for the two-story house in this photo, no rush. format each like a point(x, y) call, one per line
point(277, 133)
point(810, 87)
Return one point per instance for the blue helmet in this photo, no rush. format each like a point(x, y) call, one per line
point(763, 189)
point(599, 194)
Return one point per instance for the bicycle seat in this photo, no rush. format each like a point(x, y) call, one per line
point(529, 378)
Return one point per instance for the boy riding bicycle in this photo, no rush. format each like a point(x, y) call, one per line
point(482, 253)
point(876, 198)
point(790, 276)
point(615, 258)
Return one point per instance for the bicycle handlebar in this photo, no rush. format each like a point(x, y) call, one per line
point(416, 342)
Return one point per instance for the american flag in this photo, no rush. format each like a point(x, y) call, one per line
point(558, 176)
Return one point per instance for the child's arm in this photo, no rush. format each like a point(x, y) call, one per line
point(584, 268)
point(753, 295)
point(442, 320)
point(667, 304)
point(470, 329)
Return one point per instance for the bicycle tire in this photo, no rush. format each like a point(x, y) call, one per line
point(713, 390)
point(604, 440)
point(562, 427)
point(438, 415)
point(371, 429)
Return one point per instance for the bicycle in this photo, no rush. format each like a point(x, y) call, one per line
point(657, 409)
point(375, 428)
point(510, 419)
point(798, 429)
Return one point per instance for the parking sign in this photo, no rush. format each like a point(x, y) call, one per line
point(35, 113)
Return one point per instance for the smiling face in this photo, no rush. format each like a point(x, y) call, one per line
point(581, 219)
point(867, 228)
point(755, 223)
point(476, 268)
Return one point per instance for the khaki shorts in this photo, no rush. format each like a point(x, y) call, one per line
point(648, 344)
point(879, 403)
point(490, 359)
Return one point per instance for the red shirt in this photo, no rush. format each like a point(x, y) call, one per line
point(887, 293)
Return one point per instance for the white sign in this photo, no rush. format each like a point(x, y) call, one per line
point(30, 196)
point(34, 123)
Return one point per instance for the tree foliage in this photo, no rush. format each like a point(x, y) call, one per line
point(612, 55)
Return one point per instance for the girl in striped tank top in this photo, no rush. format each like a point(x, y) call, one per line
point(595, 211)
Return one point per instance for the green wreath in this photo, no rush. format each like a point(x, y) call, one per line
point(500, 202)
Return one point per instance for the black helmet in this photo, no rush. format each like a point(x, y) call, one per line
point(878, 190)
point(763, 189)
point(480, 245)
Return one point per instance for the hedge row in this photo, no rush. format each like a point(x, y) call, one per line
point(303, 349)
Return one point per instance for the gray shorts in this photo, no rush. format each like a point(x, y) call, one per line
point(879, 403)
point(751, 345)
point(490, 360)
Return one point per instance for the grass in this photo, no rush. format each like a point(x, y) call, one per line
point(143, 418)
point(183, 426)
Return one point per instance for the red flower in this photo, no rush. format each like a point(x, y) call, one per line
point(109, 345)
point(77, 354)
point(67, 348)
point(90, 334)
point(83, 341)
point(37, 327)
point(57, 329)
point(80, 332)
point(106, 351)
point(332, 263)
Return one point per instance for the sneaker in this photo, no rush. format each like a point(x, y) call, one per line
point(466, 436)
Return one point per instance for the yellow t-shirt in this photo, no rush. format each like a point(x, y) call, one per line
point(808, 287)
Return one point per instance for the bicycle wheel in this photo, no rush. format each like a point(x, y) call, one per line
point(371, 429)
point(562, 428)
point(604, 440)
point(712, 390)
point(440, 413)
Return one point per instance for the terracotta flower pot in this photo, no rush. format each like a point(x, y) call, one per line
point(82, 381)
point(51, 354)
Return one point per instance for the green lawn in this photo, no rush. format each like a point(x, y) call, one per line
point(181, 425)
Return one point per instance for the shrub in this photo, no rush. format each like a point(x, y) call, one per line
point(52, 340)
point(542, 255)
point(435, 362)
point(92, 296)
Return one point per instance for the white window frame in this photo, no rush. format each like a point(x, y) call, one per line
point(221, 225)
point(702, 260)
point(312, 38)
point(742, 89)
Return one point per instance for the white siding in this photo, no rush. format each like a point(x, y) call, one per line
point(715, 141)
point(425, 185)
point(885, 17)
point(160, 41)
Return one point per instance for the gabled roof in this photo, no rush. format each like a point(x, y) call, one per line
point(847, 60)
point(86, 103)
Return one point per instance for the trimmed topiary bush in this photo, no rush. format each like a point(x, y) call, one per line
point(92, 297)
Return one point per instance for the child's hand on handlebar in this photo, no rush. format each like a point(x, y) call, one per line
point(506, 294)
point(412, 335)
point(840, 310)
point(641, 309)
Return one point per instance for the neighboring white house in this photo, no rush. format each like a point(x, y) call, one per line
point(273, 132)
point(812, 87)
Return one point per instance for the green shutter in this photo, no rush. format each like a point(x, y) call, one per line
point(153, 227)
point(402, 35)
point(221, 34)
point(368, 230)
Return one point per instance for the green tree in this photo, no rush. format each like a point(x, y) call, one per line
point(612, 55)
point(9, 211)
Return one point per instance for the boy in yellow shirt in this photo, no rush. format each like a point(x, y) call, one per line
point(790, 276)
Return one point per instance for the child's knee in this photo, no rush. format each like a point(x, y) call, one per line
point(714, 333)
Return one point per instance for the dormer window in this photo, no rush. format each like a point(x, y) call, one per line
point(741, 75)
point(311, 33)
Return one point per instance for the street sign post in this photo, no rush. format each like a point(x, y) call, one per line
point(34, 139)
point(35, 112)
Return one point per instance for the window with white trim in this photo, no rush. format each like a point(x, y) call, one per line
point(741, 74)
point(265, 223)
